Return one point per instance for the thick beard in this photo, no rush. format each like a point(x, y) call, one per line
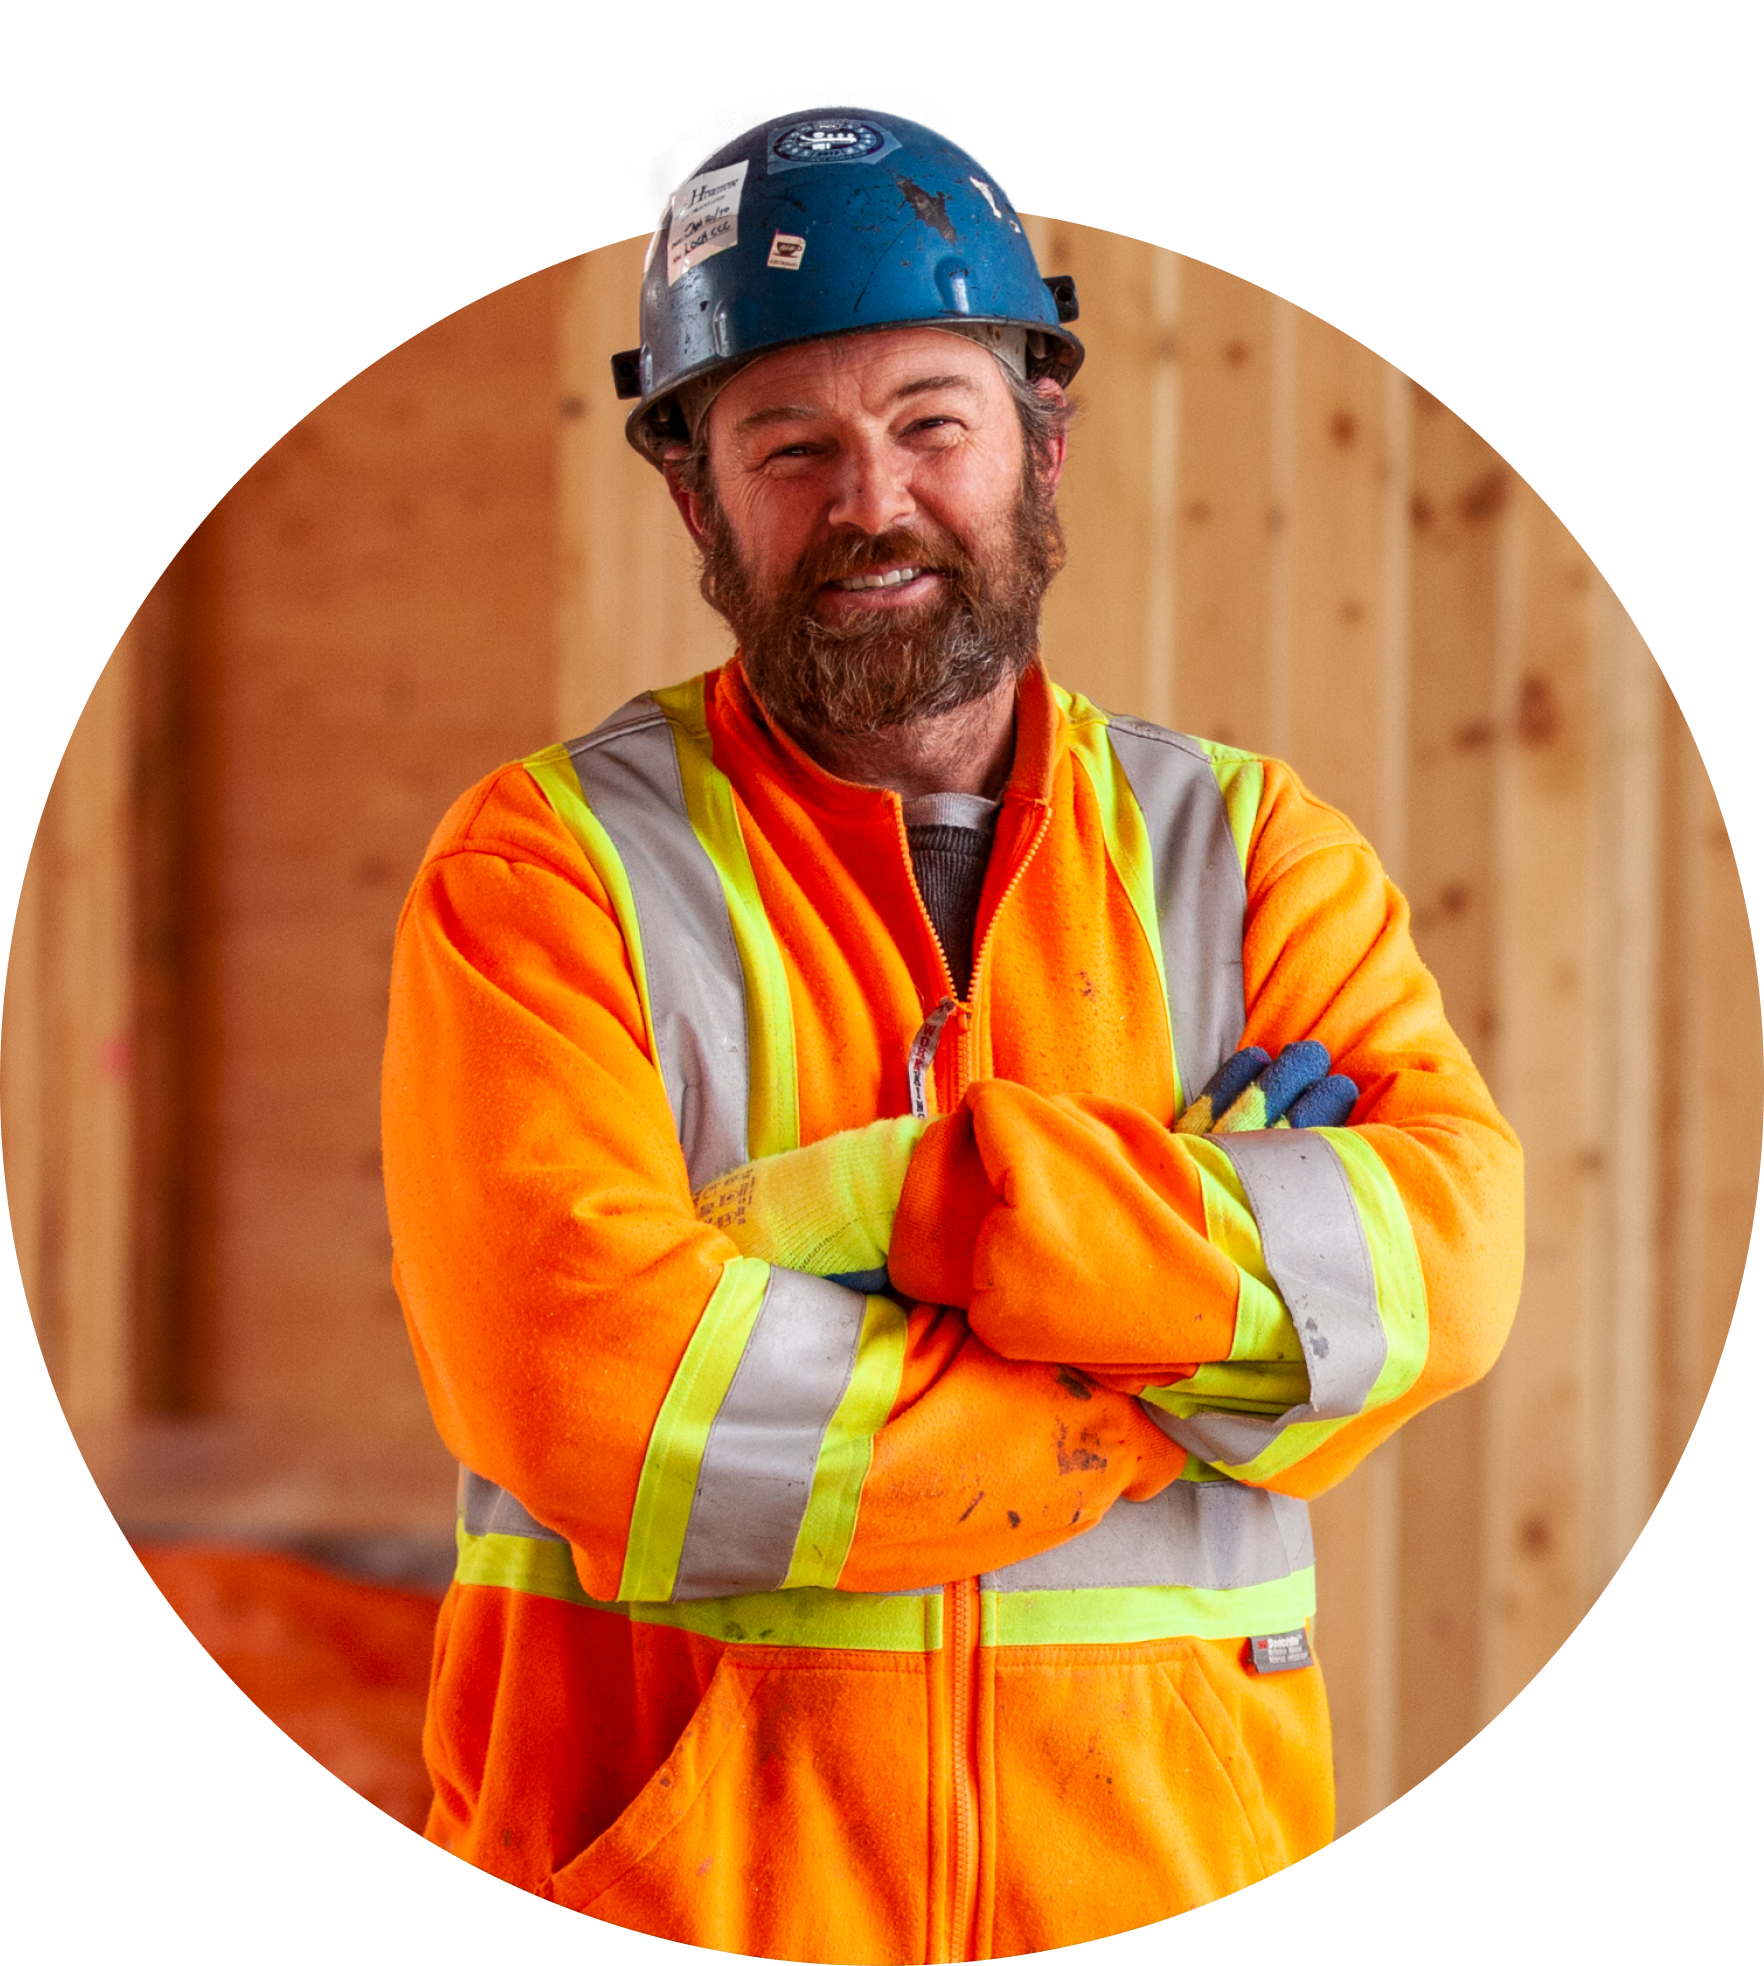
point(872, 671)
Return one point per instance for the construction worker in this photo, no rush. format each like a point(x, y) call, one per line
point(902, 1182)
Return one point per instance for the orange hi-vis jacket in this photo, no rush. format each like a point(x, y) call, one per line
point(970, 1616)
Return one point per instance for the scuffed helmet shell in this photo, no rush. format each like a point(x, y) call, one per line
point(829, 222)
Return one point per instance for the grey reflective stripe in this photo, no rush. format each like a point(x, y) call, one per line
point(1232, 1439)
point(759, 1459)
point(487, 1510)
point(630, 774)
point(1208, 1535)
point(1314, 1244)
point(1199, 890)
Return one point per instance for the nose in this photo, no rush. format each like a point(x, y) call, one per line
point(872, 489)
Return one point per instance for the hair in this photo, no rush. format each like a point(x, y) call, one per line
point(1044, 418)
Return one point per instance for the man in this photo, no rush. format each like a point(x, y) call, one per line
point(871, 1202)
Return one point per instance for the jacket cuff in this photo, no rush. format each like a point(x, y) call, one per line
point(944, 1201)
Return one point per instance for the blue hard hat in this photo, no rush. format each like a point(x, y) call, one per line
point(831, 222)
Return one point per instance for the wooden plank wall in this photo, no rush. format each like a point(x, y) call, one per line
point(1276, 540)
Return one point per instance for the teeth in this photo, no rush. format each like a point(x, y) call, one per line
point(897, 578)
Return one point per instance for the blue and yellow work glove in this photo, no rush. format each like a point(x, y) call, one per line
point(1251, 1091)
point(828, 1209)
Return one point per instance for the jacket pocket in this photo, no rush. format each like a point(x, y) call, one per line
point(667, 1799)
point(1126, 1789)
point(1271, 1736)
point(789, 1821)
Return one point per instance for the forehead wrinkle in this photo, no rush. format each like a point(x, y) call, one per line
point(801, 412)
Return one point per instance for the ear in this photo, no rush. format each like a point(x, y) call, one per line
point(1050, 391)
point(688, 504)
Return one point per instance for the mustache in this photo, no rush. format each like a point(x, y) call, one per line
point(844, 557)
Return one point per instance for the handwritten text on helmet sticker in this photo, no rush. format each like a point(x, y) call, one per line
point(705, 212)
point(787, 250)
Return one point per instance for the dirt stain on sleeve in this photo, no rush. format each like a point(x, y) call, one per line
point(1076, 1459)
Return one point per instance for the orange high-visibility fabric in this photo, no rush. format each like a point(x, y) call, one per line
point(880, 1805)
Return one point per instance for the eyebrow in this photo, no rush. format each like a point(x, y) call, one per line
point(802, 412)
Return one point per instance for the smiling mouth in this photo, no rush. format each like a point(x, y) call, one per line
point(863, 582)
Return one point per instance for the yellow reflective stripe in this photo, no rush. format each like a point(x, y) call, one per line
point(1125, 839)
point(822, 1620)
point(1241, 778)
point(864, 1622)
point(1396, 1264)
point(830, 1520)
point(1264, 1331)
point(772, 1124)
point(554, 774)
point(518, 1563)
point(669, 1480)
point(1135, 1614)
point(1265, 1373)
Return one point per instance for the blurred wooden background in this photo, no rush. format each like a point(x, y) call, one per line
point(1276, 539)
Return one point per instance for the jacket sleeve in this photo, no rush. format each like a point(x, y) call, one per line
point(1282, 1300)
point(697, 1423)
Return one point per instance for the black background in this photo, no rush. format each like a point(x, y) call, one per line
point(201, 266)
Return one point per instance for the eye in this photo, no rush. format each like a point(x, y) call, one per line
point(787, 454)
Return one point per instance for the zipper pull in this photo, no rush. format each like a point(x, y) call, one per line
point(923, 1056)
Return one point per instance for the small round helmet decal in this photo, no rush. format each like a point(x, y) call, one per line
point(826, 138)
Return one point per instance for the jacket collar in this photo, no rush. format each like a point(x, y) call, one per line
point(741, 729)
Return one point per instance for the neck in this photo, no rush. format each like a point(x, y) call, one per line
point(968, 749)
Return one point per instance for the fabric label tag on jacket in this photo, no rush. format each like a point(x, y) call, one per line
point(1281, 1651)
point(923, 1056)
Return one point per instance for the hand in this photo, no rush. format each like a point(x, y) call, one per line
point(1251, 1091)
point(827, 1209)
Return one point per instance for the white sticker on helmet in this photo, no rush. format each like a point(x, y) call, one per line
point(705, 211)
point(787, 250)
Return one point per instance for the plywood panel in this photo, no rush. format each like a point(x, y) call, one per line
point(1348, 596)
point(1710, 1085)
point(1729, 1066)
point(1458, 490)
point(1110, 624)
point(67, 1062)
point(1339, 606)
point(376, 627)
point(1545, 1059)
point(629, 614)
point(33, 1169)
point(1227, 515)
point(1357, 1528)
point(1623, 1150)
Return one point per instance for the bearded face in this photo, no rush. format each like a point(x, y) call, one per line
point(847, 674)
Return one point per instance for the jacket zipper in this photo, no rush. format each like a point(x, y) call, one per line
point(961, 1600)
point(964, 1010)
point(964, 1055)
